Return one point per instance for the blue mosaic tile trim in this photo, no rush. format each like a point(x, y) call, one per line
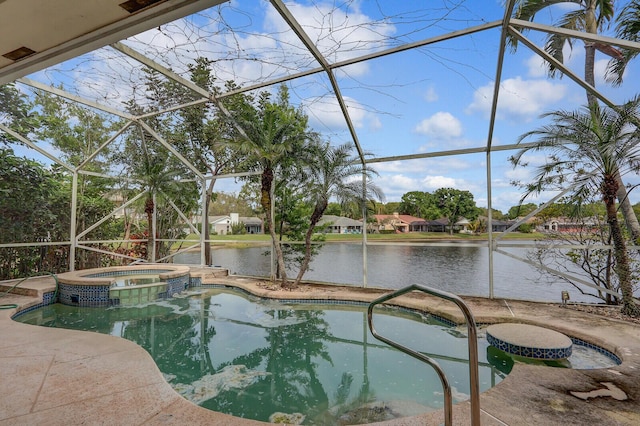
point(110, 274)
point(222, 286)
point(195, 282)
point(84, 295)
point(530, 352)
point(177, 284)
point(321, 302)
point(597, 348)
point(47, 299)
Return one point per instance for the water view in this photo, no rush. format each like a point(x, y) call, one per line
point(460, 270)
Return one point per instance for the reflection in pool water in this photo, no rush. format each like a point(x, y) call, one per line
point(264, 360)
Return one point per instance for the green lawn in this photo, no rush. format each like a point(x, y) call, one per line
point(252, 239)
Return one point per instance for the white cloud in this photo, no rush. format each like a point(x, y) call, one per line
point(600, 71)
point(400, 181)
point(518, 99)
point(431, 95)
point(325, 113)
point(536, 67)
point(431, 183)
point(375, 123)
point(395, 186)
point(441, 125)
point(440, 165)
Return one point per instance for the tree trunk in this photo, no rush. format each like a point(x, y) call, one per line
point(620, 250)
point(589, 76)
point(205, 225)
point(205, 229)
point(148, 209)
point(630, 218)
point(265, 201)
point(315, 218)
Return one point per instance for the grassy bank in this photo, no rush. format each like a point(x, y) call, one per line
point(247, 240)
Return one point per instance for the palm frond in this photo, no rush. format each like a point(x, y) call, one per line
point(583, 148)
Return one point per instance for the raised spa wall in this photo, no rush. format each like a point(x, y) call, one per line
point(94, 287)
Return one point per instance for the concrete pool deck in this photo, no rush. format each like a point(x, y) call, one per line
point(65, 377)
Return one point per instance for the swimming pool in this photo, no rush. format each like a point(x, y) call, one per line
point(252, 358)
point(263, 359)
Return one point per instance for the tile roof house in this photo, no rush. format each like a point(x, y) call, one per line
point(399, 223)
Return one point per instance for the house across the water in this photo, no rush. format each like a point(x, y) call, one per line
point(340, 225)
point(223, 225)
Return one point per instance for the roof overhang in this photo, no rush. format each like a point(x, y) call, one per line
point(40, 33)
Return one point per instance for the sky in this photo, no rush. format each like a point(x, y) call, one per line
point(425, 100)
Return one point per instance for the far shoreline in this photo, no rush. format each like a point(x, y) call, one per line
point(264, 240)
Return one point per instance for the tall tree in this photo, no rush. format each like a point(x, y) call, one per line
point(77, 133)
point(201, 135)
point(34, 204)
point(334, 172)
point(521, 210)
point(588, 149)
point(155, 169)
point(272, 136)
point(155, 177)
point(590, 16)
point(419, 204)
point(16, 112)
point(456, 203)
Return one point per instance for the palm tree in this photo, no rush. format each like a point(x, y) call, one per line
point(271, 138)
point(154, 176)
point(590, 16)
point(589, 148)
point(332, 174)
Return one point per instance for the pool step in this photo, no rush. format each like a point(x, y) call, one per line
point(35, 286)
point(529, 341)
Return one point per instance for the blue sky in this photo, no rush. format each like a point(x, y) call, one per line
point(429, 99)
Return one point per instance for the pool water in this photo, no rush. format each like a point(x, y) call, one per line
point(271, 361)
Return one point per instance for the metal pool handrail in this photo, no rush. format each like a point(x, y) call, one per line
point(473, 349)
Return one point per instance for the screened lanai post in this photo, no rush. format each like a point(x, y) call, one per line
point(489, 224)
point(204, 227)
point(364, 222)
point(273, 242)
point(72, 225)
point(154, 223)
point(508, 11)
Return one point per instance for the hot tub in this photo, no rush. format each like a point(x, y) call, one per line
point(121, 285)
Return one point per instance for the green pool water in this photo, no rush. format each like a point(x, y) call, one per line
point(267, 360)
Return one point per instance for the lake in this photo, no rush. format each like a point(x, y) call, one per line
point(461, 270)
